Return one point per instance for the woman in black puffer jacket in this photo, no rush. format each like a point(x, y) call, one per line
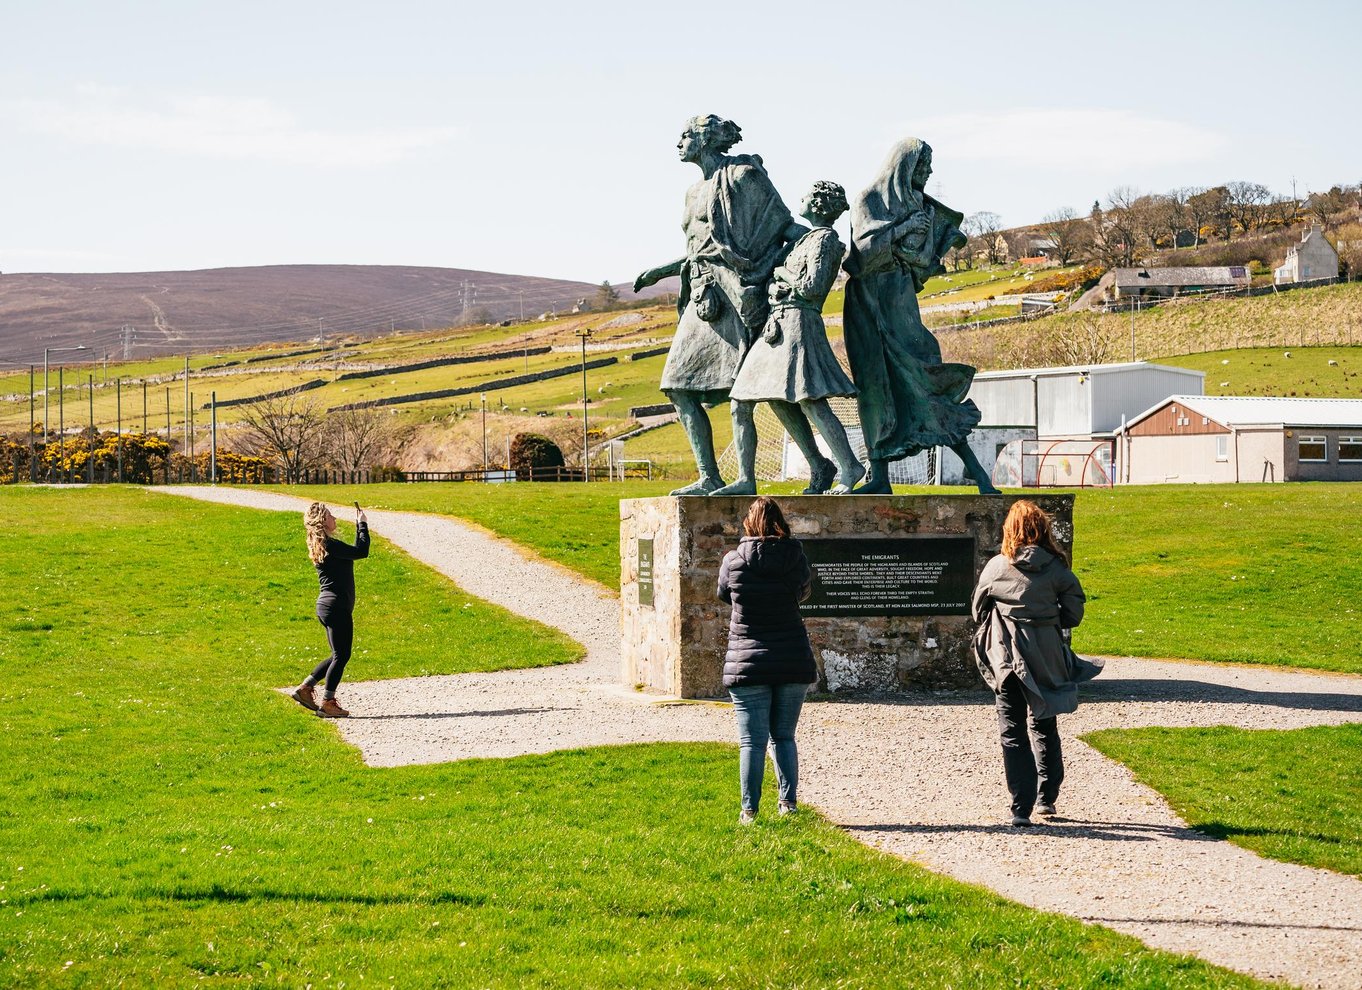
point(769, 664)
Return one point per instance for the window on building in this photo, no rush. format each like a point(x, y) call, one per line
point(1222, 448)
point(1350, 448)
point(1312, 449)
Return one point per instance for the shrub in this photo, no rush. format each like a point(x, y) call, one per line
point(530, 451)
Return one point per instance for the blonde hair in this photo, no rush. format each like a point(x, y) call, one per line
point(314, 520)
point(1028, 525)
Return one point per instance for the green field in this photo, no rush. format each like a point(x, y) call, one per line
point(1295, 796)
point(171, 819)
point(1307, 372)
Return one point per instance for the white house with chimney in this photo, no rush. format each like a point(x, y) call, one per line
point(1313, 258)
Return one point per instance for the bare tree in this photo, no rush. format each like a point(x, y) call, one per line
point(352, 437)
point(287, 427)
point(1113, 229)
point(1146, 220)
point(1283, 211)
point(1084, 339)
point(1246, 202)
point(1067, 232)
point(1168, 214)
point(1322, 206)
point(986, 226)
point(1210, 208)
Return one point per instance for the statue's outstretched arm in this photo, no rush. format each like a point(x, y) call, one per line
point(654, 275)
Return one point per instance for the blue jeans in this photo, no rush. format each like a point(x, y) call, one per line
point(767, 712)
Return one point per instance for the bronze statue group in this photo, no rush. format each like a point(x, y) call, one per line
point(750, 328)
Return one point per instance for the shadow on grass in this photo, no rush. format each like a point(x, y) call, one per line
point(1222, 830)
point(1053, 827)
point(1118, 690)
point(216, 893)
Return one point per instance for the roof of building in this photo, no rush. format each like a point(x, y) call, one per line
point(1259, 410)
point(1212, 275)
point(1085, 369)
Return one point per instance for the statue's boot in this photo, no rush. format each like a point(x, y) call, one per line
point(740, 487)
point(821, 477)
point(705, 486)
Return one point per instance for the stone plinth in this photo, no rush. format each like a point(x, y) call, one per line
point(675, 629)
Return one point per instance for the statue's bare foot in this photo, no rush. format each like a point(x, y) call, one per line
point(846, 481)
point(821, 477)
point(705, 486)
point(739, 487)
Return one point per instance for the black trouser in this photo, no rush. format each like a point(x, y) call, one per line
point(1028, 772)
point(339, 623)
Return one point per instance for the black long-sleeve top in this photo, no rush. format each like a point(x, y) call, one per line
point(336, 572)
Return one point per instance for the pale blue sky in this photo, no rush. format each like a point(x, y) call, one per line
point(539, 138)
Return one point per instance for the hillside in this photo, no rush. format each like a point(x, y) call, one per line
point(224, 308)
point(429, 385)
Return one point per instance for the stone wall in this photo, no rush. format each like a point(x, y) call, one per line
point(676, 645)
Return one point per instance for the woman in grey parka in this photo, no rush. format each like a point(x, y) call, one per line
point(1026, 597)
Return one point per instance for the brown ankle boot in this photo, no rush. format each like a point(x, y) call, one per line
point(305, 696)
point(330, 709)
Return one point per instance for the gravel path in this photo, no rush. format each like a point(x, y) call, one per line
point(919, 777)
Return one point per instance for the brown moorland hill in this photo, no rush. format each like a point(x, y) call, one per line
point(227, 308)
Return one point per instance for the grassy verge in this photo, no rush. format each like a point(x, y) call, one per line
point(168, 818)
point(1293, 795)
point(1242, 573)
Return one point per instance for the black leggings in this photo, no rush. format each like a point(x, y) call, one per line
point(1032, 759)
point(340, 634)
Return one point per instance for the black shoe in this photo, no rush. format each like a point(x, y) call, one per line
point(1021, 821)
point(1046, 808)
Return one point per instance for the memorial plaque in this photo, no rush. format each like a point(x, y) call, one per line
point(645, 572)
point(925, 575)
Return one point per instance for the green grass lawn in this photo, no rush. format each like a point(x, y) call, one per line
point(1244, 573)
point(1293, 795)
point(170, 819)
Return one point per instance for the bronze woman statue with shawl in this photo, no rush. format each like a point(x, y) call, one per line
point(736, 229)
point(909, 400)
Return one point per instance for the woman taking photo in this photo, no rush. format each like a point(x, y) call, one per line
point(769, 665)
point(1025, 600)
point(335, 564)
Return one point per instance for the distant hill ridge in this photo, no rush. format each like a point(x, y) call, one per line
point(228, 308)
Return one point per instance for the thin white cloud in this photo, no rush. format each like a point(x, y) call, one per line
point(215, 127)
point(1051, 137)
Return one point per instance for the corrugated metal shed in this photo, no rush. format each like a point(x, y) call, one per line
point(1080, 400)
point(1235, 410)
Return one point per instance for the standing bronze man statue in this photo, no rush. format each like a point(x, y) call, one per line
point(736, 228)
point(909, 399)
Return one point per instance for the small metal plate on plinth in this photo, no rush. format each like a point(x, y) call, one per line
point(645, 572)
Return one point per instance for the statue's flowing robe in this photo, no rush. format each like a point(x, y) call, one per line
point(908, 399)
point(735, 226)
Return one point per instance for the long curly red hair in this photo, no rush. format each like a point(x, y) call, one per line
point(1028, 525)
